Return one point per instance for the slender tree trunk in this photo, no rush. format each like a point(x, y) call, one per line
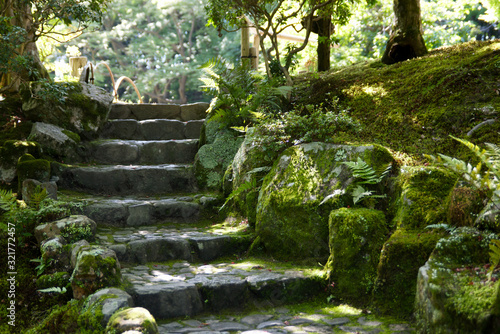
point(406, 41)
point(325, 30)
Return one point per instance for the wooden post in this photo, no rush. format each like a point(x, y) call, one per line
point(76, 64)
point(245, 45)
point(255, 52)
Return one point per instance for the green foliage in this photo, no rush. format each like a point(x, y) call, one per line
point(494, 257)
point(241, 95)
point(42, 265)
point(51, 92)
point(326, 122)
point(483, 176)
point(364, 174)
point(162, 53)
point(54, 289)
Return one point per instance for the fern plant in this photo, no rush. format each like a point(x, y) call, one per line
point(485, 175)
point(8, 201)
point(364, 175)
point(241, 95)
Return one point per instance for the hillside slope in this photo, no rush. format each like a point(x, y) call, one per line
point(412, 107)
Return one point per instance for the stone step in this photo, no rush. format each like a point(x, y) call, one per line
point(185, 112)
point(327, 318)
point(152, 129)
point(182, 289)
point(126, 180)
point(150, 152)
point(160, 243)
point(133, 211)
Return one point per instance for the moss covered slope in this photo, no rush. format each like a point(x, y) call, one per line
point(412, 107)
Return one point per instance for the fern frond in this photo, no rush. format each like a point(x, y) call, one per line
point(54, 289)
point(7, 200)
point(249, 185)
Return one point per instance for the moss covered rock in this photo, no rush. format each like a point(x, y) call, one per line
point(356, 239)
point(10, 152)
point(55, 255)
point(305, 184)
point(133, 319)
point(423, 196)
point(212, 159)
point(78, 107)
point(96, 267)
point(30, 168)
point(401, 257)
point(453, 292)
point(105, 302)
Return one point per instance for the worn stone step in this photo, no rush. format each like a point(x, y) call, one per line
point(127, 180)
point(184, 289)
point(185, 112)
point(152, 129)
point(151, 152)
point(133, 211)
point(160, 243)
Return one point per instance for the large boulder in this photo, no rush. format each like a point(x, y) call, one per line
point(56, 141)
point(306, 183)
point(10, 152)
point(78, 107)
point(96, 267)
point(454, 294)
point(132, 319)
point(356, 239)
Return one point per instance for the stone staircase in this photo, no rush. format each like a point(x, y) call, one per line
point(140, 189)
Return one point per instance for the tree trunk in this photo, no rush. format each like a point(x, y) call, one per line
point(406, 41)
point(325, 30)
point(20, 12)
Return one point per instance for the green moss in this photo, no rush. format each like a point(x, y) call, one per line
point(74, 136)
point(401, 257)
point(423, 196)
point(356, 239)
point(30, 168)
point(413, 106)
point(148, 323)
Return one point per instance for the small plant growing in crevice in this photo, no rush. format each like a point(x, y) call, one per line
point(364, 177)
point(494, 257)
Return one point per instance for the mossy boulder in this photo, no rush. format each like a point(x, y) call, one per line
point(10, 152)
point(132, 319)
point(306, 183)
point(356, 239)
point(453, 292)
point(79, 107)
point(212, 159)
point(72, 229)
point(250, 164)
point(55, 255)
point(30, 168)
point(105, 302)
point(96, 267)
point(401, 257)
point(56, 142)
point(423, 196)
